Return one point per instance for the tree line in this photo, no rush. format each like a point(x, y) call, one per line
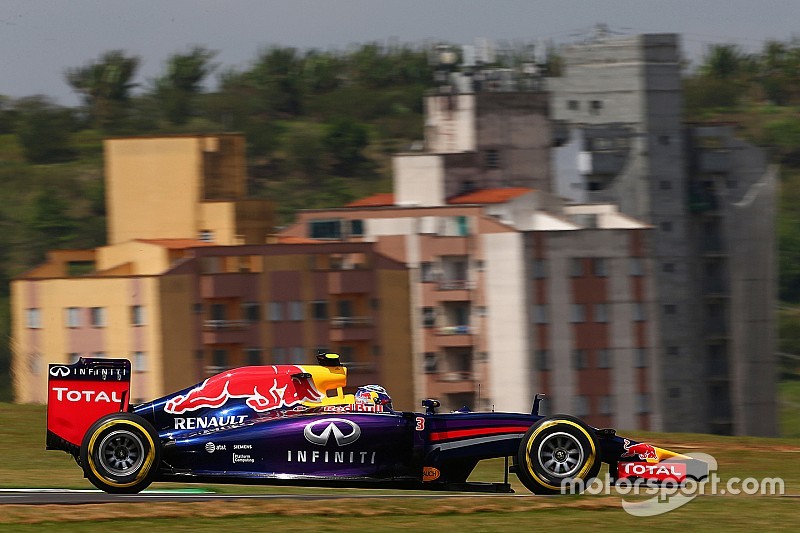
point(320, 125)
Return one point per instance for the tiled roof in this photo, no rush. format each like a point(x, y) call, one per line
point(177, 244)
point(376, 200)
point(489, 196)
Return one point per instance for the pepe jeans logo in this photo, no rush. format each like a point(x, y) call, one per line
point(344, 431)
point(59, 371)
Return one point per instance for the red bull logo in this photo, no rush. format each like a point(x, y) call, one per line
point(265, 387)
point(642, 449)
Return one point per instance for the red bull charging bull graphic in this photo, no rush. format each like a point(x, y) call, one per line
point(264, 387)
point(642, 449)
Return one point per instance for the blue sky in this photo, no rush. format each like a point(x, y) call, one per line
point(39, 39)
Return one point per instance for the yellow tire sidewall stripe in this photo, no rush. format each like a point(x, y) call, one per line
point(148, 461)
point(579, 475)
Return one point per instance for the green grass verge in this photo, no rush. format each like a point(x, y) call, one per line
point(26, 464)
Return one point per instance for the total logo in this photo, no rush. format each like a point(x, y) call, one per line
point(63, 393)
point(343, 431)
point(658, 471)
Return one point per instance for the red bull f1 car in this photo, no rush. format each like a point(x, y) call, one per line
point(294, 425)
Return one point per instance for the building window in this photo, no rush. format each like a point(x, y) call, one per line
point(599, 267)
point(604, 405)
point(542, 360)
point(33, 318)
point(665, 185)
point(666, 226)
point(492, 159)
point(139, 362)
point(137, 315)
point(640, 358)
point(72, 317)
point(97, 317)
point(319, 310)
point(577, 313)
point(603, 358)
point(579, 359)
point(576, 267)
point(539, 269)
point(325, 229)
point(279, 355)
point(635, 266)
point(206, 235)
point(581, 405)
point(428, 317)
point(642, 403)
point(345, 308)
point(251, 311)
point(220, 359)
point(670, 309)
point(275, 311)
point(298, 353)
point(573, 105)
point(197, 309)
point(673, 350)
point(595, 106)
point(638, 312)
point(356, 228)
point(430, 362)
point(296, 311)
point(601, 313)
point(426, 272)
point(540, 314)
point(253, 356)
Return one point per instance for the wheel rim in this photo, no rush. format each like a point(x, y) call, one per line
point(121, 452)
point(560, 454)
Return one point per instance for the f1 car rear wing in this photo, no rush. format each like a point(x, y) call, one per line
point(81, 393)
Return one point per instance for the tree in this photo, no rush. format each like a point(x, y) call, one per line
point(345, 141)
point(176, 89)
point(278, 77)
point(105, 86)
point(50, 223)
point(44, 129)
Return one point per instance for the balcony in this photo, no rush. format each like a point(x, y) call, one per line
point(351, 328)
point(216, 325)
point(453, 336)
point(439, 384)
point(228, 331)
point(455, 285)
point(351, 321)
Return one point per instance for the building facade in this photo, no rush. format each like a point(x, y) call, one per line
point(711, 198)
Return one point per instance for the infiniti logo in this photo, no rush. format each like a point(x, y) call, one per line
point(315, 434)
point(59, 370)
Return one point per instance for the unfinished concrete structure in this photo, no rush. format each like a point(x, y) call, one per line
point(711, 198)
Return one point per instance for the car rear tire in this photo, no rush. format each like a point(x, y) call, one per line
point(121, 453)
point(559, 454)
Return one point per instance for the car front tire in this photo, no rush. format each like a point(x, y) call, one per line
point(559, 454)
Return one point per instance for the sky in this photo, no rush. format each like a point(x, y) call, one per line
point(39, 39)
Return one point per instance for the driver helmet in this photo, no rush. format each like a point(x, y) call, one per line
point(373, 395)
